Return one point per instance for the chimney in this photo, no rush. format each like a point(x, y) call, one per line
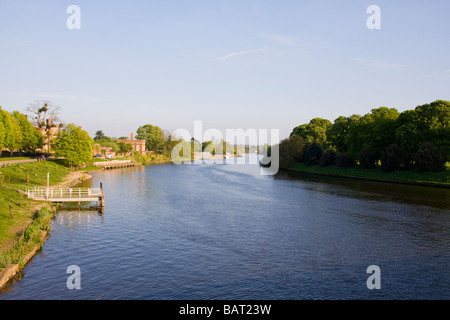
point(48, 123)
point(131, 135)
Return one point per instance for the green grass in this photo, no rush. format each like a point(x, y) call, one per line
point(30, 237)
point(16, 175)
point(19, 230)
point(409, 176)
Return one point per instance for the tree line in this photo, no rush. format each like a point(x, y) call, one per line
point(416, 138)
point(18, 133)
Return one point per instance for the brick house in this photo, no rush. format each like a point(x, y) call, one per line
point(137, 145)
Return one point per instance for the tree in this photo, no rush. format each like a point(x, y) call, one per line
point(13, 135)
point(367, 159)
point(375, 130)
point(99, 135)
point(153, 136)
point(125, 147)
point(314, 132)
point(42, 111)
point(343, 160)
point(74, 144)
point(328, 158)
point(32, 139)
point(291, 150)
point(313, 153)
point(338, 131)
point(393, 158)
point(429, 158)
point(426, 123)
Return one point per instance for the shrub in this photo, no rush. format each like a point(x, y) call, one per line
point(291, 150)
point(393, 158)
point(367, 158)
point(328, 158)
point(313, 153)
point(343, 160)
point(429, 158)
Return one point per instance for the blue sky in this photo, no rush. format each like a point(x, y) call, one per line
point(231, 64)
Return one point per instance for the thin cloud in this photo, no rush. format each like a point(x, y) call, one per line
point(379, 64)
point(445, 74)
point(240, 53)
point(282, 39)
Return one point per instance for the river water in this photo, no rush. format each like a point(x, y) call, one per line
point(224, 231)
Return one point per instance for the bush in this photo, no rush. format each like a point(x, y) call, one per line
point(344, 161)
point(393, 158)
point(313, 153)
point(291, 151)
point(429, 158)
point(367, 158)
point(328, 158)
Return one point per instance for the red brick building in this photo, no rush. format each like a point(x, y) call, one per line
point(138, 145)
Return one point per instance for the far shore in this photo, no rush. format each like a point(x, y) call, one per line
point(377, 175)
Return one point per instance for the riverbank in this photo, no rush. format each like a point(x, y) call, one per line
point(436, 179)
point(24, 224)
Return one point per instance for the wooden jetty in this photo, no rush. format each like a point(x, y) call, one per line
point(59, 195)
point(115, 164)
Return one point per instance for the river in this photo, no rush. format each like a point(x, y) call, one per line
point(224, 231)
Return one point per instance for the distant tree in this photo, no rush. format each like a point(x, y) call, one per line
point(153, 136)
point(313, 153)
point(344, 161)
point(426, 123)
point(32, 139)
point(13, 135)
point(393, 158)
point(338, 131)
point(328, 158)
point(429, 158)
point(42, 111)
point(74, 144)
point(99, 135)
point(314, 132)
point(367, 159)
point(291, 150)
point(125, 147)
point(375, 130)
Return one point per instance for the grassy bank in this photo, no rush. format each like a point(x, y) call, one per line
point(31, 239)
point(22, 220)
point(406, 176)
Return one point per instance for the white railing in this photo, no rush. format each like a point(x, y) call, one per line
point(44, 193)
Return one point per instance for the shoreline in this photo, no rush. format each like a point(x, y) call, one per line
point(10, 272)
point(345, 176)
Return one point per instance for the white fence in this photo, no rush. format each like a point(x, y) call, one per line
point(70, 194)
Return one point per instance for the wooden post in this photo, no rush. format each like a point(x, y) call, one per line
point(10, 211)
point(48, 184)
point(28, 179)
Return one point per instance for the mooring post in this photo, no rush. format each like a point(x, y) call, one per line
point(102, 196)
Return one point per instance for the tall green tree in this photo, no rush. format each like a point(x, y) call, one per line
point(426, 123)
point(74, 144)
point(314, 132)
point(13, 134)
point(32, 139)
point(337, 133)
point(375, 130)
point(153, 136)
